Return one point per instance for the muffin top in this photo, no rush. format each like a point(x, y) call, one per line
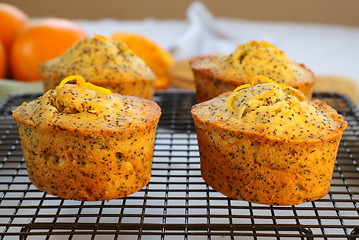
point(87, 107)
point(97, 58)
point(274, 110)
point(256, 58)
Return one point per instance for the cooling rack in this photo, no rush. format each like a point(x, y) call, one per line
point(177, 203)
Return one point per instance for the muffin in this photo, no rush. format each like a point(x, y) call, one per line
point(218, 74)
point(103, 62)
point(267, 144)
point(80, 143)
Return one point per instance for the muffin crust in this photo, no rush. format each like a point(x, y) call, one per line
point(103, 62)
point(218, 74)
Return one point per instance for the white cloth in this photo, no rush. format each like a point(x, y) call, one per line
point(325, 49)
point(203, 35)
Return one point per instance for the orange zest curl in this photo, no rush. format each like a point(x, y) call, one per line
point(230, 100)
point(265, 79)
point(266, 44)
point(81, 82)
point(103, 38)
point(248, 85)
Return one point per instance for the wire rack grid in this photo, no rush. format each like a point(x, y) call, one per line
point(177, 203)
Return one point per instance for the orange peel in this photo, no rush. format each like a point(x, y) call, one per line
point(248, 85)
point(81, 82)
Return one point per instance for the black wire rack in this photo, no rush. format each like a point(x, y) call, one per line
point(177, 203)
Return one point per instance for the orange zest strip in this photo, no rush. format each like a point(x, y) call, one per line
point(67, 79)
point(266, 44)
point(247, 85)
point(230, 100)
point(103, 38)
point(81, 82)
point(265, 79)
point(62, 83)
point(95, 88)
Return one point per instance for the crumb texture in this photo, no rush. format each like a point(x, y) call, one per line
point(261, 58)
point(282, 113)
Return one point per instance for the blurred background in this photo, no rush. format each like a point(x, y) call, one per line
point(318, 11)
point(322, 34)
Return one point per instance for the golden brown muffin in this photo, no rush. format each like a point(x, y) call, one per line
point(103, 62)
point(267, 144)
point(81, 144)
point(218, 74)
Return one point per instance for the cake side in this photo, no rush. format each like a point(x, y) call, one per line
point(259, 169)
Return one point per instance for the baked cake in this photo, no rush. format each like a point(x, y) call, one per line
point(266, 144)
point(222, 73)
point(103, 62)
point(83, 142)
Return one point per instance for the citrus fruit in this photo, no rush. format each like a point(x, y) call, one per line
point(40, 42)
point(2, 61)
point(157, 58)
point(12, 22)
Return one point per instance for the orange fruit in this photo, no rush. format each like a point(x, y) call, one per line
point(157, 58)
point(48, 39)
point(12, 22)
point(2, 61)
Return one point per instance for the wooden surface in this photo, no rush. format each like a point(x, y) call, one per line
point(182, 77)
point(338, 84)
